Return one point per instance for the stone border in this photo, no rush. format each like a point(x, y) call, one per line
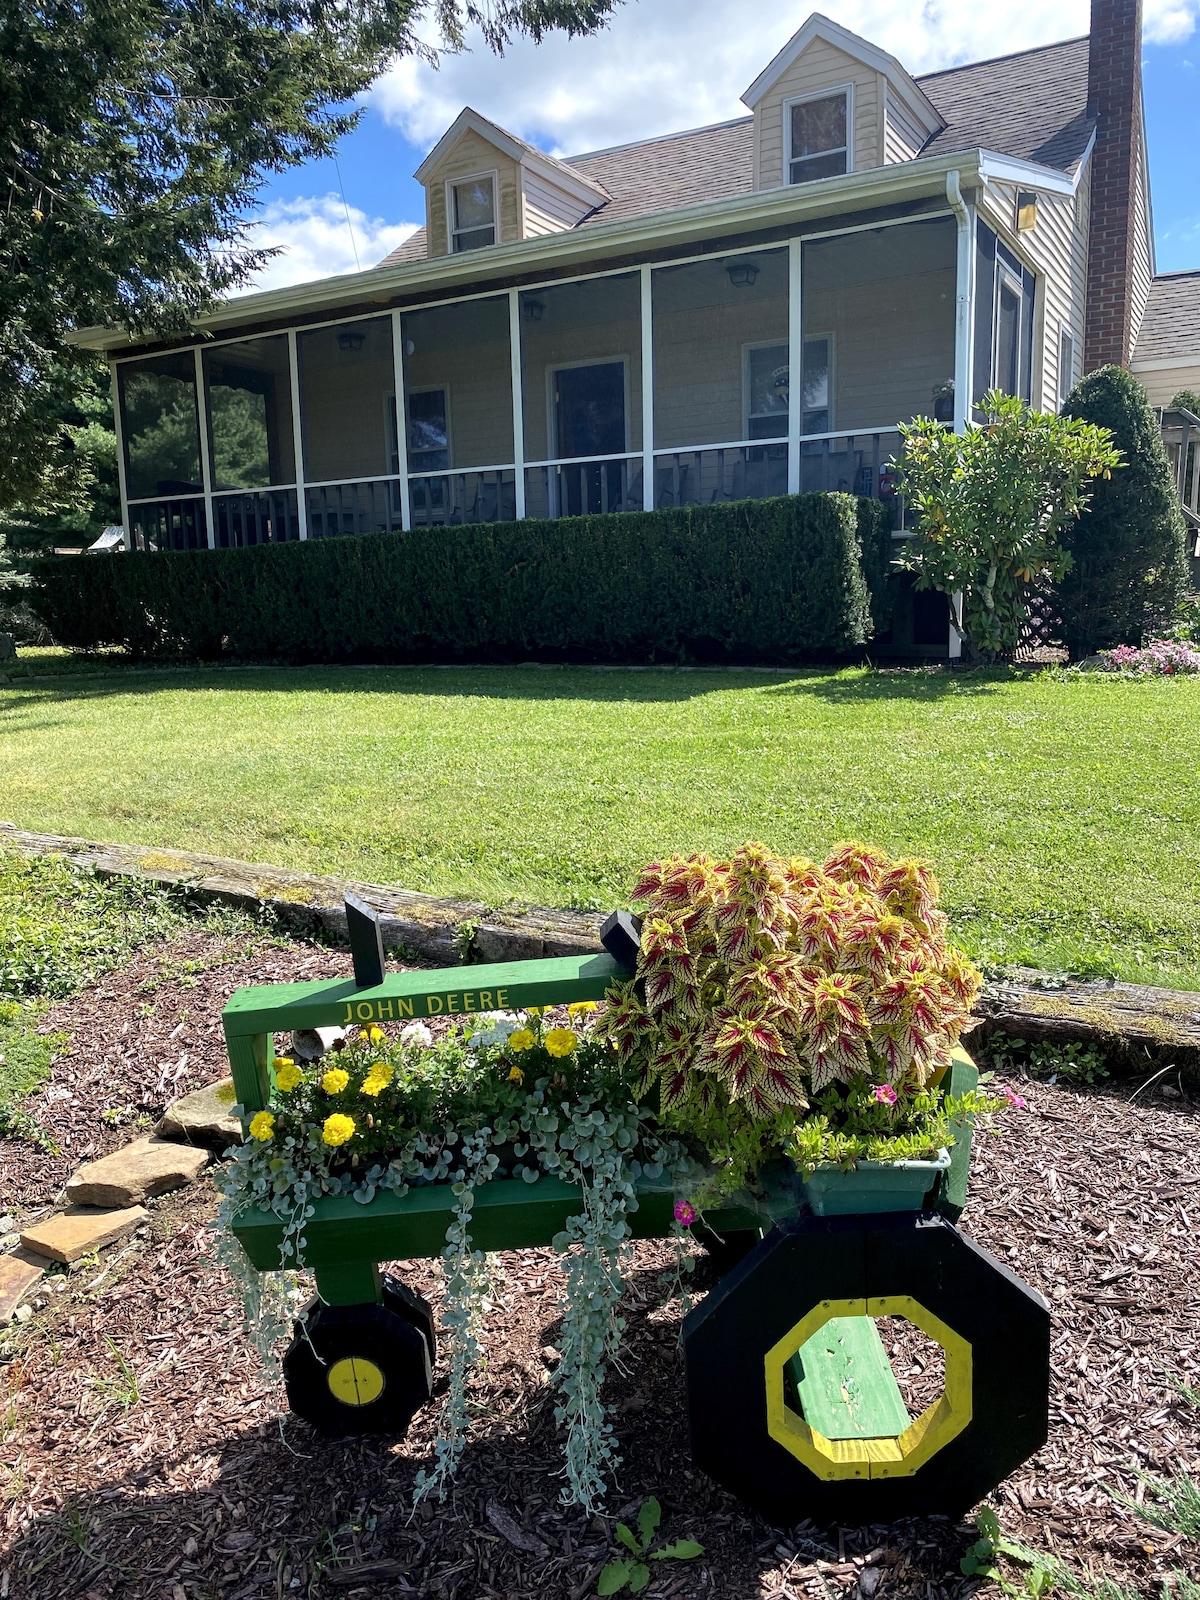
point(1143, 1030)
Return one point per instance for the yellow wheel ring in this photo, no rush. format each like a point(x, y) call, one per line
point(355, 1381)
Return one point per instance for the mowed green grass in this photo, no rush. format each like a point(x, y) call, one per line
point(1062, 812)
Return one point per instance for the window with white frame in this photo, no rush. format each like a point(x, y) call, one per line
point(1066, 365)
point(428, 430)
point(765, 385)
point(818, 136)
point(472, 208)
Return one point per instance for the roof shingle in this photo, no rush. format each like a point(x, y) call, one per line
point(1171, 325)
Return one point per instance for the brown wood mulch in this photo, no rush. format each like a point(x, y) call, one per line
point(142, 1454)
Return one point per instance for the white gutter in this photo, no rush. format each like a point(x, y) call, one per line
point(964, 302)
point(876, 186)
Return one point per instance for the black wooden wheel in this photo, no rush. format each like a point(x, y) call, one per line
point(360, 1369)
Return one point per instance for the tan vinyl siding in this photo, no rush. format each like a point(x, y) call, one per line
point(820, 66)
point(1056, 251)
point(1164, 383)
point(1142, 272)
point(699, 370)
point(469, 156)
point(902, 134)
point(548, 209)
point(465, 351)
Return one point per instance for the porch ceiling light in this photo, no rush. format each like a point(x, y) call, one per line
point(535, 310)
point(742, 273)
point(350, 339)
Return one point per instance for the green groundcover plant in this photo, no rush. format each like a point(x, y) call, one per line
point(783, 1015)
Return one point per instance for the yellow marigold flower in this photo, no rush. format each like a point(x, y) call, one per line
point(337, 1129)
point(561, 1041)
point(378, 1078)
point(372, 1035)
point(287, 1075)
point(578, 1008)
point(282, 1061)
point(262, 1126)
point(516, 1075)
point(335, 1080)
point(535, 1011)
point(523, 1039)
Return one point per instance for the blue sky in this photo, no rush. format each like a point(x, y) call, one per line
point(655, 70)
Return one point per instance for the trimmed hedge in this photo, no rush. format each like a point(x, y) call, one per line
point(743, 581)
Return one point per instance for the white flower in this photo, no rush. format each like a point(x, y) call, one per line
point(416, 1033)
point(499, 1024)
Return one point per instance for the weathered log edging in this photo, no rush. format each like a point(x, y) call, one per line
point(1141, 1029)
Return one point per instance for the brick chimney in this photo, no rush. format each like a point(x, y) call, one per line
point(1115, 101)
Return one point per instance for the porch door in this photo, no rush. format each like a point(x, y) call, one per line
point(589, 420)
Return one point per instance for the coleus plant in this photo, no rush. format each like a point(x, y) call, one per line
point(772, 978)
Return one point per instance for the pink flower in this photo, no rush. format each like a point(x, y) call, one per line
point(1015, 1100)
point(685, 1213)
point(885, 1094)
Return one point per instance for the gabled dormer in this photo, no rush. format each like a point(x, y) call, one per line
point(831, 103)
point(484, 186)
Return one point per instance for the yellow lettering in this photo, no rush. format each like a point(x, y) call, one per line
point(433, 1004)
point(349, 1017)
point(452, 1003)
point(485, 1000)
point(501, 999)
point(382, 1013)
point(365, 1011)
point(405, 1007)
point(469, 1002)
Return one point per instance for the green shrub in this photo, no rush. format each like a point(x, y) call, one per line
point(748, 580)
point(1129, 567)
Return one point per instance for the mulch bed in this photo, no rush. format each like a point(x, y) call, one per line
point(144, 1453)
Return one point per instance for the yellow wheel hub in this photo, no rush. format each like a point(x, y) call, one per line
point(355, 1381)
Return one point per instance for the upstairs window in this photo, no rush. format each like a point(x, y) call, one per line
point(472, 214)
point(818, 137)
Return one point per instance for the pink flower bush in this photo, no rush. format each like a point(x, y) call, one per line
point(1160, 658)
point(885, 1094)
point(685, 1213)
point(1016, 1101)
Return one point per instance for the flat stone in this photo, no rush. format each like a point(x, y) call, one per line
point(77, 1232)
point(141, 1170)
point(204, 1117)
point(17, 1277)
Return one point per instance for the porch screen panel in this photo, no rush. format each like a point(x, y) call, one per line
point(458, 386)
point(721, 350)
point(161, 426)
point(249, 392)
point(581, 380)
point(878, 326)
point(347, 401)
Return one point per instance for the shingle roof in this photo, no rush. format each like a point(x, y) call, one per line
point(413, 249)
point(1031, 105)
point(1171, 325)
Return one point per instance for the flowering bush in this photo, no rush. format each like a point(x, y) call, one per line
point(1158, 658)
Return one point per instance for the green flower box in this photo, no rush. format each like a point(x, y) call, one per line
point(871, 1187)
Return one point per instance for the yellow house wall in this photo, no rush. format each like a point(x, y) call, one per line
point(343, 397)
point(1162, 384)
point(470, 155)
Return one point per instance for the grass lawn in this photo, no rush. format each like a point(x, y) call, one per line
point(1062, 813)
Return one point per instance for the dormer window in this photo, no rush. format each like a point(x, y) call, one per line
point(472, 211)
point(818, 136)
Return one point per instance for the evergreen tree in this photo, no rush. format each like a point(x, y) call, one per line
point(134, 135)
point(1128, 565)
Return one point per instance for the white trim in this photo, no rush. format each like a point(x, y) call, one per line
point(1185, 358)
point(964, 304)
point(119, 431)
point(493, 176)
point(444, 390)
point(647, 307)
point(461, 472)
point(349, 483)
point(584, 188)
point(1065, 332)
point(159, 499)
point(401, 400)
point(588, 461)
point(205, 453)
point(995, 168)
point(795, 359)
point(297, 433)
point(724, 444)
point(831, 93)
point(1006, 278)
point(517, 388)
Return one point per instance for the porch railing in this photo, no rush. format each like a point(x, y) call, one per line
point(1181, 436)
point(178, 523)
point(261, 516)
point(584, 486)
point(483, 494)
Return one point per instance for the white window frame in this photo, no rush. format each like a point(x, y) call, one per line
point(492, 174)
point(747, 414)
point(428, 388)
point(833, 89)
point(552, 458)
point(1006, 278)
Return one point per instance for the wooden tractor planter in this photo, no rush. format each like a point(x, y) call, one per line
point(792, 1402)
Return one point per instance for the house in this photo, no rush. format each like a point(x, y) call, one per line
point(740, 310)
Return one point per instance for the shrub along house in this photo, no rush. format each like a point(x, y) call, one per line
point(744, 310)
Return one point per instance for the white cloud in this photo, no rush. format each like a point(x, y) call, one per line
point(669, 64)
point(315, 240)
